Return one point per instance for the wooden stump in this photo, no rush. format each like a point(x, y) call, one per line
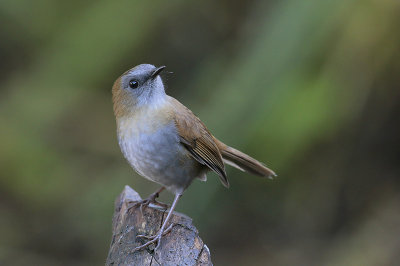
point(182, 246)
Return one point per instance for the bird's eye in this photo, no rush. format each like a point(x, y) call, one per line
point(133, 84)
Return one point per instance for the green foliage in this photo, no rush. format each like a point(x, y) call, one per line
point(309, 87)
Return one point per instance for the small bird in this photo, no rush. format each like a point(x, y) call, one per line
point(166, 143)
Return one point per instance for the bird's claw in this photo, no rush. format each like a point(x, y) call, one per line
point(153, 239)
point(146, 202)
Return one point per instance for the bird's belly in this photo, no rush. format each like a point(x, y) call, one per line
point(159, 156)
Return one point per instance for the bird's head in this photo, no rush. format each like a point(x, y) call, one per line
point(138, 87)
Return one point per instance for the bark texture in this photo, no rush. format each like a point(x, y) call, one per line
point(181, 246)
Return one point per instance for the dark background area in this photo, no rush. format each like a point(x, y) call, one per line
point(311, 88)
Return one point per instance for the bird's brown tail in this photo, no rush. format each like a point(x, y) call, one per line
point(243, 161)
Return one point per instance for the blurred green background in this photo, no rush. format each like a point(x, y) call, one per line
point(311, 88)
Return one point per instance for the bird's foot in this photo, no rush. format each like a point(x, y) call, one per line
point(152, 199)
point(154, 239)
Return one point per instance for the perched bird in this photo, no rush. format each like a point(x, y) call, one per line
point(165, 142)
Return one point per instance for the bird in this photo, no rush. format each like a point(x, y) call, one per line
point(166, 143)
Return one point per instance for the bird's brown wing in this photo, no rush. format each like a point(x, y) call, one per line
point(198, 140)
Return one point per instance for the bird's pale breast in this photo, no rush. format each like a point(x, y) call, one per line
point(151, 144)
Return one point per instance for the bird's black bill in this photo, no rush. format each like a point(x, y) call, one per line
point(157, 71)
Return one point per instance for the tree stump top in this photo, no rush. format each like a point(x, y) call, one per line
point(181, 246)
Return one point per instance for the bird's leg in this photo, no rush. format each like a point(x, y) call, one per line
point(150, 199)
point(163, 230)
